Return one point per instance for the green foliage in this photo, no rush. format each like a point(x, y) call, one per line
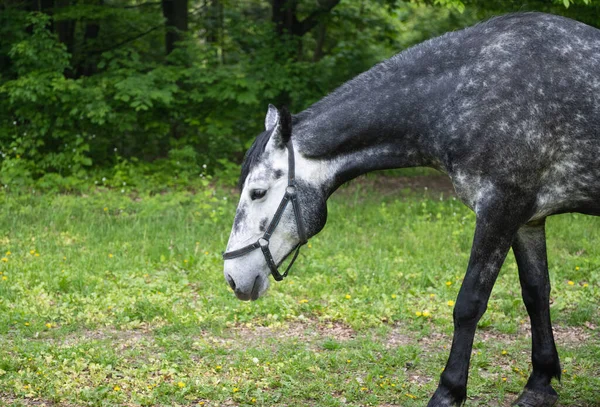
point(75, 104)
point(203, 104)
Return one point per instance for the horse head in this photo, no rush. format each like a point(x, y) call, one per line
point(282, 204)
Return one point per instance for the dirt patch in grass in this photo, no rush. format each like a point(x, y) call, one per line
point(307, 331)
point(311, 331)
point(402, 335)
point(8, 400)
point(119, 339)
point(398, 337)
point(564, 335)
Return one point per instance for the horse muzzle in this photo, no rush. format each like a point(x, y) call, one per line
point(248, 289)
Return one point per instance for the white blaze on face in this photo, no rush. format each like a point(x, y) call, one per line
point(250, 273)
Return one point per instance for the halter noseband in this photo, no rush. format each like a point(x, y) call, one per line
point(263, 242)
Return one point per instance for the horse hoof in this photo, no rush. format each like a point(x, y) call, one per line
point(530, 398)
point(438, 400)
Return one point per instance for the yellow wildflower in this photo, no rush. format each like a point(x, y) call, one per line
point(4, 278)
point(570, 282)
point(235, 389)
point(116, 388)
point(426, 314)
point(303, 301)
point(31, 251)
point(8, 253)
point(348, 296)
point(253, 400)
point(394, 296)
point(205, 252)
point(585, 285)
point(411, 396)
point(448, 283)
point(181, 385)
point(110, 255)
point(418, 313)
point(105, 209)
point(576, 267)
point(504, 379)
point(450, 303)
point(26, 323)
point(48, 325)
point(37, 255)
point(4, 259)
point(432, 295)
point(349, 360)
point(504, 352)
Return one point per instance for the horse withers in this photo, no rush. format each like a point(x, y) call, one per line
point(509, 109)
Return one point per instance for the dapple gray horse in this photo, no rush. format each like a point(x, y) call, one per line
point(509, 109)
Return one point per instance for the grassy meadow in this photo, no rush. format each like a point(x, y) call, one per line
point(118, 299)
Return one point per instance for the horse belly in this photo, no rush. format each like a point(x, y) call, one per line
point(569, 187)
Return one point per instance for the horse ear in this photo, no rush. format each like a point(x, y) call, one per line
point(280, 122)
point(272, 118)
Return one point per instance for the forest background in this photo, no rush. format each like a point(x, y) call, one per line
point(162, 94)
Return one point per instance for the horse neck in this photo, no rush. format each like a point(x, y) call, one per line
point(364, 126)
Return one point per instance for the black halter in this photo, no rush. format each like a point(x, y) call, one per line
point(263, 242)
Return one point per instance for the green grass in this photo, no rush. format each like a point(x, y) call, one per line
point(110, 300)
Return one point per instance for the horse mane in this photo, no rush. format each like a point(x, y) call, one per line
point(252, 157)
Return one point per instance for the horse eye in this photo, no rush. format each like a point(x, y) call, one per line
point(257, 194)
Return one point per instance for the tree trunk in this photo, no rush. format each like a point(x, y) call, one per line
point(215, 28)
point(176, 15)
point(88, 65)
point(44, 6)
point(290, 30)
point(66, 33)
point(321, 34)
point(284, 16)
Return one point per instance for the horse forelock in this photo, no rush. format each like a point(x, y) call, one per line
point(253, 156)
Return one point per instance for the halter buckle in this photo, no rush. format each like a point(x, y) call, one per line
point(263, 242)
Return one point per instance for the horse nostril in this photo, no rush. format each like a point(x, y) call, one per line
point(230, 281)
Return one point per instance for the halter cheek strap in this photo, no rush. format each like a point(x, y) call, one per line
point(263, 242)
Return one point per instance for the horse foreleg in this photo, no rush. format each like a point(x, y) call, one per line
point(495, 230)
point(529, 247)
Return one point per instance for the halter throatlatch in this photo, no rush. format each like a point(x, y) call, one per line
point(263, 242)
